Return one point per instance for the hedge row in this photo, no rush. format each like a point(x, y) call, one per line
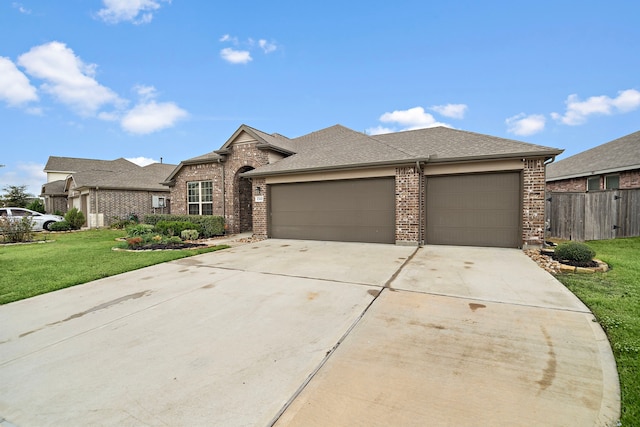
point(210, 225)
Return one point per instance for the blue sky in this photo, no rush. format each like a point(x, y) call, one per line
point(145, 79)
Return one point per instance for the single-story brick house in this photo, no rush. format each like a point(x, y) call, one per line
point(105, 190)
point(614, 165)
point(433, 186)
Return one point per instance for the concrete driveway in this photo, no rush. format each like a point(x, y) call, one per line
point(311, 334)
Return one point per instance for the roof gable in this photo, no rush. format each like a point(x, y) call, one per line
point(246, 133)
point(617, 155)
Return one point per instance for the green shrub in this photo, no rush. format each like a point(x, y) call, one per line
point(60, 226)
point(189, 234)
point(139, 229)
point(574, 251)
point(121, 224)
point(75, 218)
point(210, 225)
point(175, 228)
point(16, 231)
point(174, 239)
point(36, 205)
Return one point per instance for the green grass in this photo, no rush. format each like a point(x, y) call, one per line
point(614, 298)
point(72, 259)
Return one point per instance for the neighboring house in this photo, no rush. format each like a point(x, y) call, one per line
point(105, 190)
point(434, 186)
point(595, 194)
point(614, 165)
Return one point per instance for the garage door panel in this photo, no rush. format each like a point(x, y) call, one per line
point(354, 210)
point(474, 210)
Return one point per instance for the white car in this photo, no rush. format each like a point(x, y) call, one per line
point(40, 221)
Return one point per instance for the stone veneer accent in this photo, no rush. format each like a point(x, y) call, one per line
point(533, 203)
point(409, 185)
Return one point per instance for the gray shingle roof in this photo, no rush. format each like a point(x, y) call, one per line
point(74, 164)
point(147, 178)
point(338, 146)
point(442, 143)
point(617, 155)
point(53, 188)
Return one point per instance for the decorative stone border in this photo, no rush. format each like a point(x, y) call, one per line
point(543, 257)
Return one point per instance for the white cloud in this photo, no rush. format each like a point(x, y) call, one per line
point(228, 38)
point(242, 55)
point(145, 92)
point(378, 130)
point(413, 118)
point(67, 78)
point(525, 125)
point(135, 11)
point(29, 174)
point(21, 8)
point(151, 116)
point(578, 111)
point(235, 56)
point(266, 46)
point(15, 88)
point(454, 111)
point(141, 161)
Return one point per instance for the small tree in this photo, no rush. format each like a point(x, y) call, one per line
point(36, 205)
point(15, 196)
point(75, 218)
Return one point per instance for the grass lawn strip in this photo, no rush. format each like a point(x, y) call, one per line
point(614, 298)
point(72, 259)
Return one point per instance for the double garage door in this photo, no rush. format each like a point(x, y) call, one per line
point(474, 210)
point(467, 210)
point(357, 210)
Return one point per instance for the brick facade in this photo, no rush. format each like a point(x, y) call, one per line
point(115, 205)
point(232, 196)
point(409, 190)
point(246, 208)
point(628, 180)
point(533, 203)
point(260, 210)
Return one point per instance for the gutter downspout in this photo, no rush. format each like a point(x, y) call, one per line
point(97, 206)
point(420, 201)
point(224, 196)
point(544, 233)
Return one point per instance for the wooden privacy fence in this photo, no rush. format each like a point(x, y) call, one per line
point(597, 215)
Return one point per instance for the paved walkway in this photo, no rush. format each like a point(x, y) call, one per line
point(310, 333)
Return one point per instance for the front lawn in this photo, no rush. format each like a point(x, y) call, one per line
point(614, 298)
point(72, 259)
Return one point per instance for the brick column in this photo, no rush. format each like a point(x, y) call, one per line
point(533, 203)
point(259, 208)
point(408, 218)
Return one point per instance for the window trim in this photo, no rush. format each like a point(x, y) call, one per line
point(202, 199)
point(592, 179)
point(606, 178)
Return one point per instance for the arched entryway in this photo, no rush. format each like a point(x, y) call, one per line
point(243, 201)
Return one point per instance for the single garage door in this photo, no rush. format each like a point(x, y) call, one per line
point(358, 210)
point(474, 210)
